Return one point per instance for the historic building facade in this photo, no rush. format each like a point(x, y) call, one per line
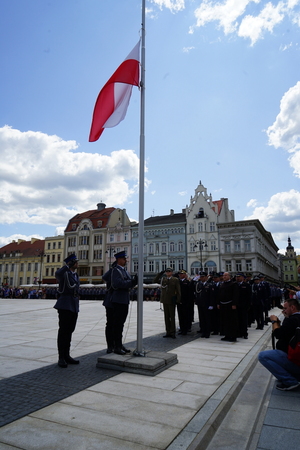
point(202, 218)
point(245, 246)
point(21, 262)
point(164, 244)
point(52, 258)
point(95, 236)
point(289, 265)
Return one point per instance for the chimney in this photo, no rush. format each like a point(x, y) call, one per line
point(171, 212)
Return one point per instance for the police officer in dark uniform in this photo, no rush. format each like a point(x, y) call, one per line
point(67, 306)
point(185, 308)
point(205, 301)
point(121, 283)
point(109, 333)
point(244, 302)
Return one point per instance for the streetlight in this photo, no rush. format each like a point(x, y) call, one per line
point(202, 244)
point(41, 255)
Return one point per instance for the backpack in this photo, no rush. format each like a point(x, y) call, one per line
point(294, 348)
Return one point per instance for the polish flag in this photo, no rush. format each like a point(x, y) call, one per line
point(113, 99)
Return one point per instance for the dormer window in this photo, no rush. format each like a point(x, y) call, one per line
point(73, 226)
point(99, 224)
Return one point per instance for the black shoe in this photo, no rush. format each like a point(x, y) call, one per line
point(119, 351)
point(283, 387)
point(70, 360)
point(109, 350)
point(231, 340)
point(62, 363)
point(225, 338)
point(246, 336)
point(126, 350)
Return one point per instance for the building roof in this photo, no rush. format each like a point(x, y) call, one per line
point(94, 215)
point(27, 248)
point(170, 219)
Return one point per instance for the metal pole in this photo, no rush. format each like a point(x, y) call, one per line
point(139, 349)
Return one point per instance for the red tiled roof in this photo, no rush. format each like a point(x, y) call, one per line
point(219, 204)
point(26, 248)
point(94, 215)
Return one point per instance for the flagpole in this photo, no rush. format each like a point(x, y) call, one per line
point(139, 349)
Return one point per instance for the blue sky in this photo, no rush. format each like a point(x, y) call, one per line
point(222, 106)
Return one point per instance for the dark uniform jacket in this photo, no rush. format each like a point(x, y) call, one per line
point(204, 294)
point(68, 289)
point(121, 284)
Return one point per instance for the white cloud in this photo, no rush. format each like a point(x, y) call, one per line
point(187, 49)
point(285, 131)
point(252, 203)
point(182, 193)
point(230, 16)
point(172, 5)
point(44, 180)
point(281, 213)
point(253, 27)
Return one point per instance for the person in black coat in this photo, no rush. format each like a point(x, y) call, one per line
point(121, 283)
point(227, 303)
point(185, 309)
point(205, 301)
point(67, 306)
point(244, 302)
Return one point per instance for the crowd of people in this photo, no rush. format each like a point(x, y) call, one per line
point(227, 305)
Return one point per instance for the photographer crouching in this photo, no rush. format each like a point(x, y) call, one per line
point(276, 361)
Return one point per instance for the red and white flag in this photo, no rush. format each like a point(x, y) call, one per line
point(113, 99)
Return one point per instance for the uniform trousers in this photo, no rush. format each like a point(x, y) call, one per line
point(67, 323)
point(109, 328)
point(169, 314)
point(120, 312)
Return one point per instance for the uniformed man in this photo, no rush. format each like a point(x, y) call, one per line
point(185, 309)
point(67, 306)
point(227, 303)
point(243, 304)
point(205, 302)
point(170, 296)
point(121, 283)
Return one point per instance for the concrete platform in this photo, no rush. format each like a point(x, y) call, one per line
point(87, 407)
point(151, 364)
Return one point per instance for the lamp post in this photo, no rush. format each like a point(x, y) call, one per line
point(201, 243)
point(41, 255)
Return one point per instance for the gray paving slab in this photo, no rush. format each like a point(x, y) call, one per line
point(103, 409)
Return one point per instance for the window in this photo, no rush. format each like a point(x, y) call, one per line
point(227, 246)
point(212, 226)
point(35, 266)
point(49, 245)
point(72, 241)
point(84, 240)
point(12, 267)
point(28, 280)
point(53, 258)
point(99, 223)
point(21, 267)
point(54, 245)
point(97, 254)
point(111, 238)
point(248, 265)
point(135, 249)
point(126, 236)
point(29, 266)
point(164, 248)
point(163, 264)
point(98, 239)
point(238, 266)
point(286, 277)
point(21, 280)
point(48, 258)
point(1, 267)
point(73, 226)
point(135, 266)
point(151, 249)
point(151, 266)
point(59, 245)
point(292, 277)
point(83, 254)
point(200, 227)
point(237, 246)
point(247, 245)
point(145, 266)
point(52, 272)
point(172, 264)
point(180, 246)
point(213, 245)
point(193, 247)
point(172, 246)
point(58, 257)
point(228, 266)
point(180, 264)
point(191, 228)
point(47, 272)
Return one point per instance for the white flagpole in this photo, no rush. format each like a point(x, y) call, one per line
point(139, 350)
